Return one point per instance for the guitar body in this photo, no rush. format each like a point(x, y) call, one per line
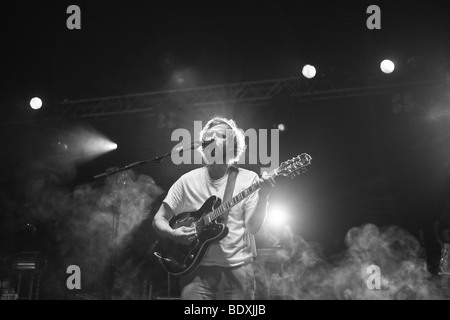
point(178, 259)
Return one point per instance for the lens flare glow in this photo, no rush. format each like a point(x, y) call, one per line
point(277, 216)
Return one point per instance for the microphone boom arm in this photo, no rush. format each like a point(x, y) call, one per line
point(158, 159)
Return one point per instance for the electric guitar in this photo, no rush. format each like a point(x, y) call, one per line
point(178, 259)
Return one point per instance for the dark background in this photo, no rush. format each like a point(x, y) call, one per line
point(370, 164)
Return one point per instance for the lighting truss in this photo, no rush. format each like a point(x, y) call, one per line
point(255, 93)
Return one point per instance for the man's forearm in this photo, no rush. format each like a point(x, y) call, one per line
point(256, 220)
point(162, 227)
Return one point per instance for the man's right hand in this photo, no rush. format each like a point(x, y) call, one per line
point(184, 235)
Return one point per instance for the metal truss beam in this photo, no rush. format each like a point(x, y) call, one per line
point(245, 93)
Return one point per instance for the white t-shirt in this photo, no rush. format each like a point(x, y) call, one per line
point(190, 192)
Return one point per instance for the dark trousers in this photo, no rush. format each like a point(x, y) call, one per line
point(219, 283)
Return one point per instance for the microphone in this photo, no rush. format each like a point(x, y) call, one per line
point(194, 145)
point(207, 143)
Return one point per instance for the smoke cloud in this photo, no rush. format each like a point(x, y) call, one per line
point(307, 274)
point(98, 226)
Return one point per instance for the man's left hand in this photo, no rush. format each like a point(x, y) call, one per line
point(267, 184)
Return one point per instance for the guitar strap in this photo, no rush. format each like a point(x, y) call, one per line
point(231, 182)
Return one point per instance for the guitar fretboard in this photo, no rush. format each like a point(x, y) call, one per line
point(224, 207)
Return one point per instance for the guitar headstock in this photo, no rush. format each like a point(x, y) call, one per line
point(294, 166)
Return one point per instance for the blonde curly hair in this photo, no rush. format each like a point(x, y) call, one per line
point(238, 136)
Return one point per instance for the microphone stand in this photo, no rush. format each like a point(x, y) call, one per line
point(159, 159)
point(115, 225)
point(136, 164)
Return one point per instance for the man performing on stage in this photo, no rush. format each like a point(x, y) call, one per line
point(226, 269)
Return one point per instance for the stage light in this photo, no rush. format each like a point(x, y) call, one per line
point(387, 66)
point(100, 145)
point(309, 71)
point(91, 146)
point(113, 146)
point(276, 216)
point(281, 127)
point(35, 103)
point(82, 143)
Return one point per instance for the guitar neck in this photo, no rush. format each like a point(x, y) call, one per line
point(224, 207)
